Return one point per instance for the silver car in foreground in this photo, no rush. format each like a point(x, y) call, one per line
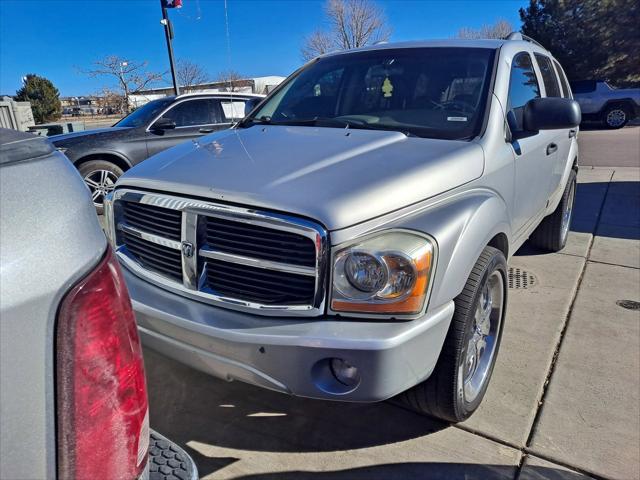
point(73, 399)
point(348, 240)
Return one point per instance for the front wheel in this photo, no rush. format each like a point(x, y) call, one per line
point(100, 176)
point(460, 379)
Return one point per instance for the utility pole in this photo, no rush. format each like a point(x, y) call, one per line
point(168, 33)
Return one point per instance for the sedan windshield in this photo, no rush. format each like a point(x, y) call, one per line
point(145, 114)
point(428, 92)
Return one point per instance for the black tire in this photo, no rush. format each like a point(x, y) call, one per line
point(91, 171)
point(551, 234)
point(616, 116)
point(442, 395)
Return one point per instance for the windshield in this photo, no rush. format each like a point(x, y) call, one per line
point(143, 115)
point(427, 92)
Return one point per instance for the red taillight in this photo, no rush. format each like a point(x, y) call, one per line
point(103, 425)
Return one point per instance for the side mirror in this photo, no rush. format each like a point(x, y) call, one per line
point(164, 124)
point(250, 104)
point(550, 113)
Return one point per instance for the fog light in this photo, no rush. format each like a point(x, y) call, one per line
point(344, 372)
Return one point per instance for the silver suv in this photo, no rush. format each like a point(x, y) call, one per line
point(348, 240)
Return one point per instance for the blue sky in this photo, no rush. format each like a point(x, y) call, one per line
point(58, 38)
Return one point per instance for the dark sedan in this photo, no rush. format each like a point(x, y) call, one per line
point(103, 155)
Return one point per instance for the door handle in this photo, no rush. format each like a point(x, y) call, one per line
point(206, 130)
point(552, 147)
point(572, 133)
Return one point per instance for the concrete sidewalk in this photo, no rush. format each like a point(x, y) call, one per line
point(564, 402)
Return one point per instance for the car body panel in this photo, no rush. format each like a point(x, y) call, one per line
point(261, 351)
point(35, 275)
point(275, 167)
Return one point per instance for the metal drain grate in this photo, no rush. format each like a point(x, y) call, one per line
point(628, 304)
point(521, 279)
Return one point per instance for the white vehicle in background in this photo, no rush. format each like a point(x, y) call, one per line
point(599, 101)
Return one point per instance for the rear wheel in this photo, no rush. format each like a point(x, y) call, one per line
point(553, 231)
point(100, 176)
point(461, 377)
point(615, 116)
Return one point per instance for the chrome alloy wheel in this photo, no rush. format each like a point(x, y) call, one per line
point(568, 210)
point(100, 183)
point(484, 337)
point(616, 117)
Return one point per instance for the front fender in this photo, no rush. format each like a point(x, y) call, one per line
point(79, 158)
point(462, 225)
point(472, 224)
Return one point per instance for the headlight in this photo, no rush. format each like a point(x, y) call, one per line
point(388, 274)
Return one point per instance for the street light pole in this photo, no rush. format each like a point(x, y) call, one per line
point(168, 33)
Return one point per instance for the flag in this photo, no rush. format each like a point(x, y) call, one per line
point(171, 3)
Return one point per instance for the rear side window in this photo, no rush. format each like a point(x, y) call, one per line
point(549, 78)
point(523, 86)
point(563, 80)
point(202, 111)
point(232, 110)
point(583, 86)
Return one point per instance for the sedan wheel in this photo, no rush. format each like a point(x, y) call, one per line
point(100, 183)
point(100, 176)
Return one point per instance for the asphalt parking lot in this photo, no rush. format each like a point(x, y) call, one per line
point(563, 403)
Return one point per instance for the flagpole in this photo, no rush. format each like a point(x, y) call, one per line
point(168, 33)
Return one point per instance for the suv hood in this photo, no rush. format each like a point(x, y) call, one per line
point(335, 176)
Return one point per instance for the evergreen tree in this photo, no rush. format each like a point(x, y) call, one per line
point(44, 98)
point(592, 39)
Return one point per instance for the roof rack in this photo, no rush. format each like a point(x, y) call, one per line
point(520, 36)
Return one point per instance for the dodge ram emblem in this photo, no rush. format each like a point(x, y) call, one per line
point(187, 249)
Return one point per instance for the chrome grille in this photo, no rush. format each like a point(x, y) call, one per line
point(268, 287)
point(157, 220)
point(259, 242)
point(229, 256)
point(163, 260)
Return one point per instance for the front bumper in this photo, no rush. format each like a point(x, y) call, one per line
point(291, 355)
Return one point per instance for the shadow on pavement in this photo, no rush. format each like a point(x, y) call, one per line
point(423, 471)
point(603, 209)
point(188, 405)
point(192, 407)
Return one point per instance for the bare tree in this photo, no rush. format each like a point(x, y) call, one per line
point(190, 74)
point(131, 76)
point(352, 24)
point(232, 79)
point(501, 29)
point(111, 101)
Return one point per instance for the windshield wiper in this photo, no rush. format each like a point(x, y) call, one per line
point(318, 121)
point(247, 122)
